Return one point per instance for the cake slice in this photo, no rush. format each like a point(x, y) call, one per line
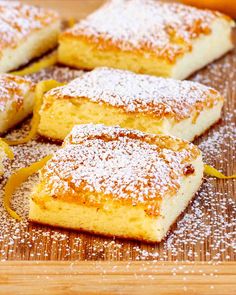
point(117, 182)
point(116, 97)
point(149, 37)
point(26, 32)
point(16, 100)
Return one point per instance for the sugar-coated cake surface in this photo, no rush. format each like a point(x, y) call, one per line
point(18, 20)
point(165, 29)
point(147, 37)
point(60, 74)
point(122, 165)
point(13, 90)
point(140, 93)
point(26, 32)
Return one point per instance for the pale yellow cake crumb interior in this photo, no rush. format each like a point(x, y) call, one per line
point(33, 46)
point(75, 52)
point(114, 218)
point(60, 115)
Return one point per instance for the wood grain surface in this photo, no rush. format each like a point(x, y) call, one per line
point(55, 278)
point(197, 257)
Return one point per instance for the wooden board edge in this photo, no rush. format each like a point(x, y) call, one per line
point(102, 277)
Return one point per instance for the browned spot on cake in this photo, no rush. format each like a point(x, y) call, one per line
point(188, 170)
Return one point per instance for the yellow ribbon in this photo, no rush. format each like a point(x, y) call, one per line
point(45, 62)
point(7, 150)
point(71, 22)
point(40, 89)
point(16, 179)
point(211, 171)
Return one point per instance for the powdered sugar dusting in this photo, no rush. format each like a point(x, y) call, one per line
point(140, 93)
point(206, 232)
point(222, 138)
point(18, 20)
point(60, 74)
point(164, 28)
point(112, 160)
point(13, 90)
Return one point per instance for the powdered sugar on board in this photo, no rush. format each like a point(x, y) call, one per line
point(207, 230)
point(60, 74)
point(219, 143)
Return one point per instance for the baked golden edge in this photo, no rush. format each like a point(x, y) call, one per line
point(39, 202)
point(83, 52)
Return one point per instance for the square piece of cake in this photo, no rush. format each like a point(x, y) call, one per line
point(149, 37)
point(26, 32)
point(117, 182)
point(16, 100)
point(151, 104)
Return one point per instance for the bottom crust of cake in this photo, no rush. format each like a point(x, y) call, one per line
point(60, 116)
point(114, 219)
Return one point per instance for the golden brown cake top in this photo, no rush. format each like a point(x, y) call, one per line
point(149, 26)
point(13, 90)
point(140, 93)
point(18, 20)
point(117, 164)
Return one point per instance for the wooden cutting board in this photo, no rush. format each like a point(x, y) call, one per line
point(197, 257)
